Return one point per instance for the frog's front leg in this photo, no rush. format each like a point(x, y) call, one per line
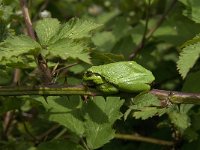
point(107, 88)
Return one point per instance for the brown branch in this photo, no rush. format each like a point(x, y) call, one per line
point(143, 139)
point(151, 32)
point(55, 71)
point(166, 97)
point(27, 19)
point(176, 97)
point(44, 69)
point(16, 77)
point(42, 63)
point(7, 122)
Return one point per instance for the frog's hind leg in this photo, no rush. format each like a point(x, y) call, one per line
point(107, 88)
point(134, 87)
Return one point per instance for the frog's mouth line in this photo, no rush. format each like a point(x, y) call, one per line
point(90, 74)
point(92, 84)
point(90, 81)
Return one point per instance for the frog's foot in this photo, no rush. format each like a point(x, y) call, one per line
point(107, 88)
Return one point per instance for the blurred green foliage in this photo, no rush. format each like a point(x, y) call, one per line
point(166, 35)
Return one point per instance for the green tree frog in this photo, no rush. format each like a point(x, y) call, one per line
point(126, 76)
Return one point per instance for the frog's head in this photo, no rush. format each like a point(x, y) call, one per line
point(92, 78)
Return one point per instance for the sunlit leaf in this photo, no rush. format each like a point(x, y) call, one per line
point(76, 29)
point(18, 45)
point(66, 48)
point(46, 29)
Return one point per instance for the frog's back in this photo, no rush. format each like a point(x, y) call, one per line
point(123, 72)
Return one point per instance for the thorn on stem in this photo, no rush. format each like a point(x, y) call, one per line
point(45, 98)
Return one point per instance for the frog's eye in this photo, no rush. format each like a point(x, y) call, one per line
point(88, 74)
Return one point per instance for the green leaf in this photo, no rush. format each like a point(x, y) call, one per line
point(6, 12)
point(20, 62)
point(66, 112)
point(179, 116)
point(98, 135)
point(144, 106)
point(149, 112)
point(100, 117)
point(105, 58)
point(185, 108)
point(104, 41)
point(10, 103)
point(193, 9)
point(59, 145)
point(4, 31)
point(18, 45)
point(192, 41)
point(121, 29)
point(180, 120)
point(188, 58)
point(190, 134)
point(6, 75)
point(106, 16)
point(176, 30)
point(192, 82)
point(46, 29)
point(124, 46)
point(146, 99)
point(150, 2)
point(76, 29)
point(69, 48)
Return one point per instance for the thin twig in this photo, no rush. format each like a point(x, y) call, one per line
point(55, 71)
point(158, 24)
point(146, 23)
point(142, 43)
point(8, 118)
point(26, 128)
point(151, 32)
point(44, 69)
point(29, 133)
point(143, 139)
point(16, 77)
point(63, 131)
point(27, 19)
point(41, 62)
point(45, 134)
point(84, 144)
